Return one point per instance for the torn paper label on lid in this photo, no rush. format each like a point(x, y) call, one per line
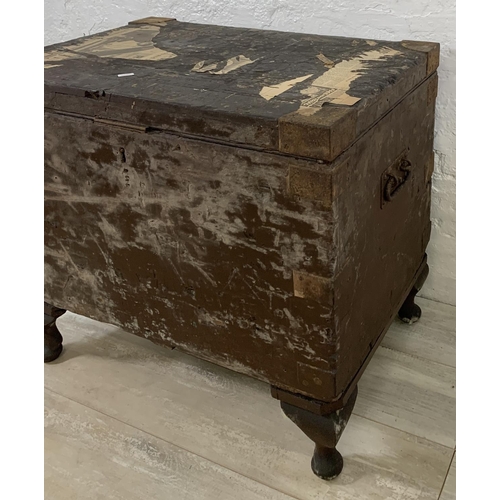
point(222, 67)
point(134, 43)
point(333, 84)
point(274, 90)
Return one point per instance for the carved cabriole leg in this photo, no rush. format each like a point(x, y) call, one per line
point(410, 312)
point(325, 431)
point(52, 337)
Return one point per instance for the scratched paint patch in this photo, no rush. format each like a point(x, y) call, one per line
point(332, 86)
point(222, 67)
point(134, 43)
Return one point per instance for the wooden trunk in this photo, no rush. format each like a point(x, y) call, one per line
point(258, 199)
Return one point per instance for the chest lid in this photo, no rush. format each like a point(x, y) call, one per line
point(299, 94)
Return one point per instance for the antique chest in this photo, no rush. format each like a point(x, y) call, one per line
point(258, 199)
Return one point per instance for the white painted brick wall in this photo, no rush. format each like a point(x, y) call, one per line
point(432, 20)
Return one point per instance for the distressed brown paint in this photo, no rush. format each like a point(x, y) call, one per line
point(268, 231)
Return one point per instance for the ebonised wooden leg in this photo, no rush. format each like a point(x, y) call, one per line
point(52, 337)
point(410, 312)
point(325, 431)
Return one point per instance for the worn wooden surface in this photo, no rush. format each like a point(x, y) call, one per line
point(157, 401)
point(325, 432)
point(52, 336)
point(433, 338)
point(285, 268)
point(131, 464)
point(212, 249)
point(189, 244)
point(450, 487)
point(380, 246)
point(187, 78)
point(424, 405)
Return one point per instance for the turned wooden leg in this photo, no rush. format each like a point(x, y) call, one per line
point(52, 337)
point(325, 431)
point(410, 312)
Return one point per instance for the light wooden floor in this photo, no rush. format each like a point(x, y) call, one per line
point(125, 419)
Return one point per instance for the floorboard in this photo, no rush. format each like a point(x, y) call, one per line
point(230, 421)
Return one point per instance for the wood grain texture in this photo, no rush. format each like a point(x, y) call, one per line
point(410, 394)
point(450, 488)
point(193, 244)
point(432, 338)
point(231, 419)
point(382, 248)
point(90, 455)
point(199, 83)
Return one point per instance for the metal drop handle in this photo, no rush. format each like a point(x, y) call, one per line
point(395, 182)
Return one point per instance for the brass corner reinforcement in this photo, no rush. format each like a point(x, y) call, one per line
point(309, 184)
point(310, 286)
point(432, 89)
point(429, 168)
point(322, 134)
point(430, 48)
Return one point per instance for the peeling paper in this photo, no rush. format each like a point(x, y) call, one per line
point(272, 91)
point(371, 42)
point(200, 68)
point(327, 62)
point(134, 43)
point(59, 55)
point(333, 84)
point(230, 65)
